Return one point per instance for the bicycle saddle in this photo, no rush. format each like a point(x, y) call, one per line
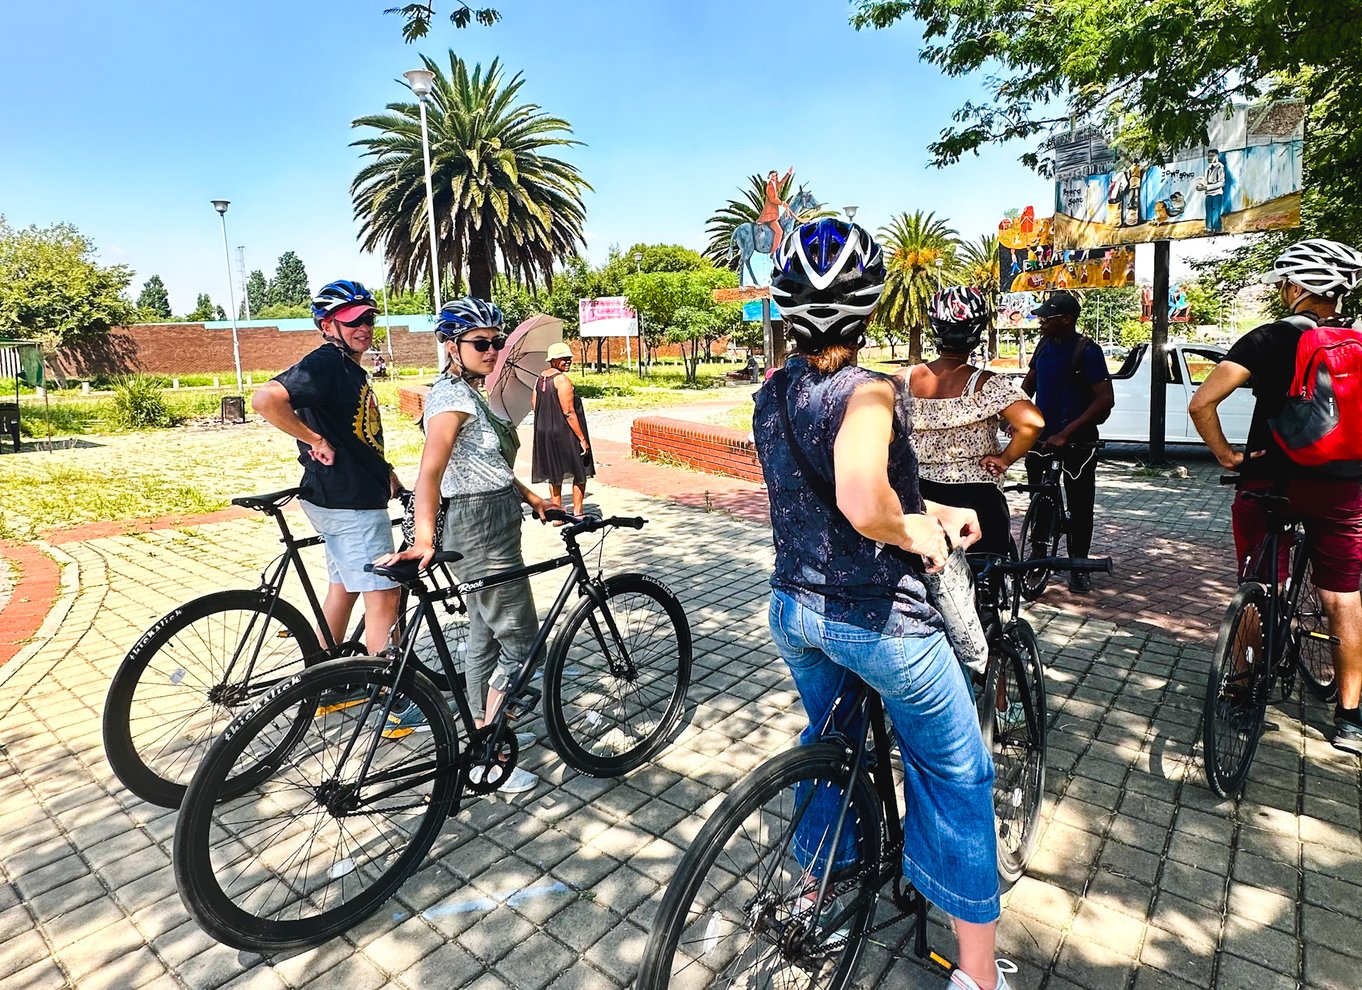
point(268, 503)
point(408, 571)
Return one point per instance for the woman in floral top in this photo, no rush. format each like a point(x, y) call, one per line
point(956, 410)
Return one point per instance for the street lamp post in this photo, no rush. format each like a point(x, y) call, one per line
point(940, 264)
point(850, 211)
point(421, 82)
point(638, 269)
point(221, 206)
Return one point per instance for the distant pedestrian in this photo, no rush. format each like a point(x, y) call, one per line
point(562, 446)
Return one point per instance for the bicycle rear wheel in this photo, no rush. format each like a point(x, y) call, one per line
point(1014, 721)
point(322, 842)
point(1310, 646)
point(187, 676)
point(1232, 718)
point(738, 910)
point(1039, 539)
point(616, 677)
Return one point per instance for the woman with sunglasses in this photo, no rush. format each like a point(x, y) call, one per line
point(467, 461)
point(326, 403)
point(562, 446)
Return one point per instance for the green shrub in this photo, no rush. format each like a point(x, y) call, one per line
point(139, 404)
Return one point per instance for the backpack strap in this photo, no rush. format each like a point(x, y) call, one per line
point(822, 488)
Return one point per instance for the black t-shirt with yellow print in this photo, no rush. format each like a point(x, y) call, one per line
point(332, 395)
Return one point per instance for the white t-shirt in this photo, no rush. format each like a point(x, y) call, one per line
point(475, 464)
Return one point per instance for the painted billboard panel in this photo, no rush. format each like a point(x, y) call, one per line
point(1028, 260)
point(1246, 178)
point(609, 316)
point(1015, 309)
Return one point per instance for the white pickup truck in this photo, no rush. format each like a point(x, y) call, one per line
point(1186, 367)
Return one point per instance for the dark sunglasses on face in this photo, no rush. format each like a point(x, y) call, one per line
point(483, 344)
point(366, 320)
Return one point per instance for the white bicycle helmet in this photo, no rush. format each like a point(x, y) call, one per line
point(828, 278)
point(468, 313)
point(1321, 267)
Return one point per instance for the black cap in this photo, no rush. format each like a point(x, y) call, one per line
point(1058, 304)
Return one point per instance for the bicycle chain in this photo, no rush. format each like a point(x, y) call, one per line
point(495, 769)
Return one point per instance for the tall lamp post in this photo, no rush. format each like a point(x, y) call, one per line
point(850, 211)
point(940, 264)
point(422, 81)
point(221, 206)
point(638, 269)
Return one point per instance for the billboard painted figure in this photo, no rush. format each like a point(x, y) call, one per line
point(1029, 262)
point(778, 217)
point(1247, 177)
point(1179, 307)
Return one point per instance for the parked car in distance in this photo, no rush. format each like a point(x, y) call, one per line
point(1114, 351)
point(1185, 367)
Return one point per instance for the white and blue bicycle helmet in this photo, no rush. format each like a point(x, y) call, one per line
point(469, 313)
point(828, 278)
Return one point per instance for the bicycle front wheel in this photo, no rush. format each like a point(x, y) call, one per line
point(344, 817)
point(182, 682)
point(1310, 646)
point(1014, 722)
point(739, 909)
point(616, 677)
point(1232, 718)
point(1039, 539)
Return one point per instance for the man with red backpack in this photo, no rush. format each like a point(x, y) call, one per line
point(1305, 441)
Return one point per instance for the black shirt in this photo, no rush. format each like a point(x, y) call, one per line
point(332, 395)
point(1269, 353)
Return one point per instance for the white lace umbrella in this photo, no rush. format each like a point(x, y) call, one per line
point(519, 365)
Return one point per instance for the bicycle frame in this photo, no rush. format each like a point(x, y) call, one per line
point(1281, 603)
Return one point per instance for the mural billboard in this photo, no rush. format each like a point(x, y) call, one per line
point(609, 316)
point(756, 242)
point(1028, 260)
point(1015, 309)
point(1247, 177)
point(1179, 308)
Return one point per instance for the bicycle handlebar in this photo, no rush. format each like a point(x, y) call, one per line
point(1089, 565)
point(578, 525)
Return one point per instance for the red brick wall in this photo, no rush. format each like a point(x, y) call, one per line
point(411, 400)
point(184, 348)
point(712, 449)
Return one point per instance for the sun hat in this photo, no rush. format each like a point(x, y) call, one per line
point(558, 351)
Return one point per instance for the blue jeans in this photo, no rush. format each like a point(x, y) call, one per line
point(950, 849)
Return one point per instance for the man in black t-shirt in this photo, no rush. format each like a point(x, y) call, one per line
point(1312, 276)
point(326, 403)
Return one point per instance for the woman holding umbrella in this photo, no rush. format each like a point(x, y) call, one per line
point(467, 461)
point(562, 446)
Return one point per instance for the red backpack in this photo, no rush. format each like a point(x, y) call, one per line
point(1321, 422)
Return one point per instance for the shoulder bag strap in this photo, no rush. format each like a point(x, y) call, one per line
point(824, 490)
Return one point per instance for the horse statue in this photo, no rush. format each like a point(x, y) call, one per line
point(752, 238)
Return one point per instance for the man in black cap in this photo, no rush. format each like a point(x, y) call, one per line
point(1069, 380)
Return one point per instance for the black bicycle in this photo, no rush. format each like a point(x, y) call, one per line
point(206, 660)
point(1047, 517)
point(344, 809)
point(781, 885)
point(1273, 627)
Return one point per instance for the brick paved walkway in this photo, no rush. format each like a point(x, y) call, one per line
point(1143, 880)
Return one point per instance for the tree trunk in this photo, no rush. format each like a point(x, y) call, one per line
point(993, 340)
point(480, 271)
point(915, 345)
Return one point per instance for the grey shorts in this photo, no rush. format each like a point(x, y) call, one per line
point(354, 537)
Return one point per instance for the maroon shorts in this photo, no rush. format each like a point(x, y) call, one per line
point(1332, 513)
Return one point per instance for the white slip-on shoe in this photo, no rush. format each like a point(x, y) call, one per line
point(960, 981)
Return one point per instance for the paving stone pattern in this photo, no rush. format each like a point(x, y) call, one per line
point(1143, 879)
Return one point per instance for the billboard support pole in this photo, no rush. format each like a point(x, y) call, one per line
point(1158, 354)
point(767, 336)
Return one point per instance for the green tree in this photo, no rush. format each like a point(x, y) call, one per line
point(919, 249)
point(669, 304)
point(153, 303)
point(1153, 73)
point(289, 287)
point(497, 193)
point(409, 302)
point(257, 291)
point(976, 264)
point(54, 291)
point(203, 310)
point(416, 17)
point(282, 311)
point(1107, 314)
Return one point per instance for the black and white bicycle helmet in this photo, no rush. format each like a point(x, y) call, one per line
point(828, 278)
point(959, 316)
point(469, 313)
point(1321, 267)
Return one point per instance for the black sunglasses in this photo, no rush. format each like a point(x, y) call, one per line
point(367, 320)
point(482, 344)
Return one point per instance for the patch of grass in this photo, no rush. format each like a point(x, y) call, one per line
point(139, 404)
point(738, 418)
point(61, 495)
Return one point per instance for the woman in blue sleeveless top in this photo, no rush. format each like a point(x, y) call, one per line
point(847, 594)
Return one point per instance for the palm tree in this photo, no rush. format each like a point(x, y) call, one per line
point(746, 210)
point(500, 202)
point(913, 244)
point(977, 265)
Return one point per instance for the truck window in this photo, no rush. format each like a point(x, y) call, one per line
point(1200, 364)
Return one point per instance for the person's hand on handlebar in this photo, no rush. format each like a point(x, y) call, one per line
point(422, 552)
point(537, 505)
point(1236, 459)
point(1057, 442)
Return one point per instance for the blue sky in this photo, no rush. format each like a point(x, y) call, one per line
point(126, 119)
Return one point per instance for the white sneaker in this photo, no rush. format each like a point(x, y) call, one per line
point(518, 782)
point(524, 740)
point(959, 981)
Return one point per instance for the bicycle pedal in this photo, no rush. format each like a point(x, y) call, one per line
point(523, 703)
point(1323, 638)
